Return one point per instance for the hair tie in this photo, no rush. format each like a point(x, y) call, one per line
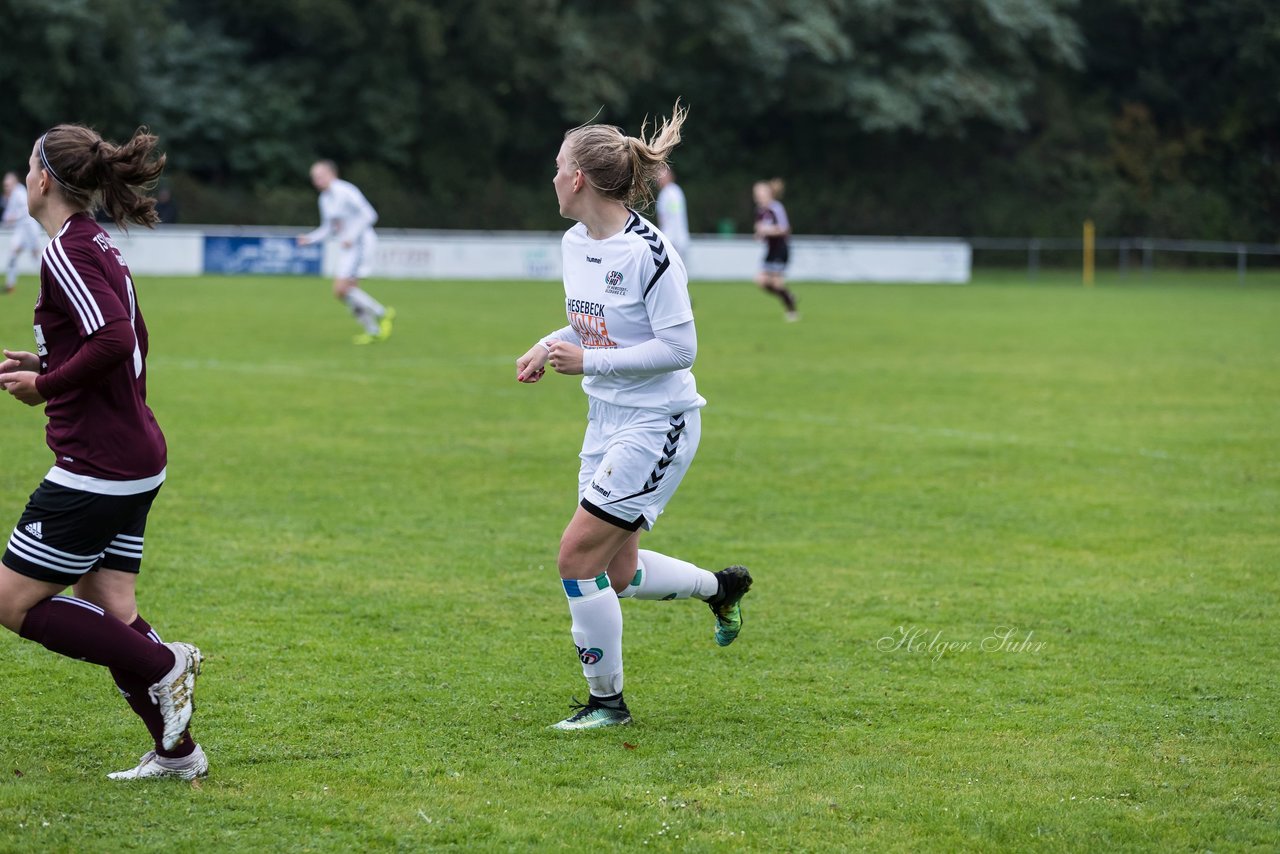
point(48, 167)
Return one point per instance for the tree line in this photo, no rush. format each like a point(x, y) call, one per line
point(949, 117)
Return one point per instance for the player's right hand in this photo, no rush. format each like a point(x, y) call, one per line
point(532, 365)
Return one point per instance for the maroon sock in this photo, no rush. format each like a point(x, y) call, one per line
point(135, 694)
point(79, 629)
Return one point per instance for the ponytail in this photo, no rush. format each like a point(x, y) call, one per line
point(93, 172)
point(624, 168)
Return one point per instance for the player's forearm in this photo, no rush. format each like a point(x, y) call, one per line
point(672, 349)
point(100, 353)
point(318, 233)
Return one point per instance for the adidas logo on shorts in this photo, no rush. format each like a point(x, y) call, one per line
point(35, 530)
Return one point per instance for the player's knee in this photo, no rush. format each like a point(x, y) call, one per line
point(574, 560)
point(11, 616)
point(13, 611)
point(570, 564)
point(123, 609)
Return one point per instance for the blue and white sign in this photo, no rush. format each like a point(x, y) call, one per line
point(261, 255)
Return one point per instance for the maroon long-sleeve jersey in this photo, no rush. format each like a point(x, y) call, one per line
point(101, 428)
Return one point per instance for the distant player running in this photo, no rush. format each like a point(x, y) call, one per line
point(773, 227)
point(27, 234)
point(347, 216)
point(631, 334)
point(83, 526)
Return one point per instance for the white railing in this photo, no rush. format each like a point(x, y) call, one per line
point(1126, 249)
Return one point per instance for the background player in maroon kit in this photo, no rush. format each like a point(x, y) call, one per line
point(773, 227)
point(83, 526)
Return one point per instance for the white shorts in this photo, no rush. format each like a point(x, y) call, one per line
point(356, 262)
point(633, 460)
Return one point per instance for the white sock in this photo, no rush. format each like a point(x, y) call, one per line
point(597, 632)
point(11, 278)
point(362, 315)
point(366, 302)
point(662, 577)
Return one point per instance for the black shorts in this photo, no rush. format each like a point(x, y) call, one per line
point(65, 533)
point(775, 260)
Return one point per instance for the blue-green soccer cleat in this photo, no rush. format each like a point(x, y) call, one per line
point(593, 715)
point(735, 581)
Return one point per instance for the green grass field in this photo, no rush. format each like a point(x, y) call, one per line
point(363, 540)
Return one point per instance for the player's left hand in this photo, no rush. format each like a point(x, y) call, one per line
point(565, 358)
point(19, 360)
point(22, 385)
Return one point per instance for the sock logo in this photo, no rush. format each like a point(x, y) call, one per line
point(590, 655)
point(35, 530)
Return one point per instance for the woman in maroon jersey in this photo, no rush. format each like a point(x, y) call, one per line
point(774, 229)
point(83, 526)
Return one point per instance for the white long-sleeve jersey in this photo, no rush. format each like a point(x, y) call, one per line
point(27, 233)
point(673, 215)
point(345, 213)
point(629, 293)
point(15, 208)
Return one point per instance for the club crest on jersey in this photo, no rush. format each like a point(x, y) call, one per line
point(590, 656)
point(613, 283)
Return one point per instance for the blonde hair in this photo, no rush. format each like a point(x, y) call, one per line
point(92, 172)
point(621, 167)
point(775, 186)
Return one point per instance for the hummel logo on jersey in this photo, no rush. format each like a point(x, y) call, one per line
point(35, 530)
point(613, 283)
point(591, 260)
point(600, 489)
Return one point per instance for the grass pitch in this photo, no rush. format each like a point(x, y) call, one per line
point(1015, 547)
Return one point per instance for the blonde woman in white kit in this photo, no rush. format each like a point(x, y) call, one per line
point(631, 335)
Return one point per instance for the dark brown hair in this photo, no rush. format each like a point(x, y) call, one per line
point(621, 167)
point(93, 173)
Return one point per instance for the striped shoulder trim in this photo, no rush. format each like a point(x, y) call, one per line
point(68, 278)
point(637, 226)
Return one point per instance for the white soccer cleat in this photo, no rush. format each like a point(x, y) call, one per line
point(152, 766)
point(175, 693)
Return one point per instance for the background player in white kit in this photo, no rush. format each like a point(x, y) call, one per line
point(28, 236)
point(347, 216)
point(631, 334)
point(673, 213)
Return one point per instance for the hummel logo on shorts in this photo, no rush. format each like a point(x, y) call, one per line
point(35, 530)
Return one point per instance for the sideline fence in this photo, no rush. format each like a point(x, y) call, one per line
point(1127, 250)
